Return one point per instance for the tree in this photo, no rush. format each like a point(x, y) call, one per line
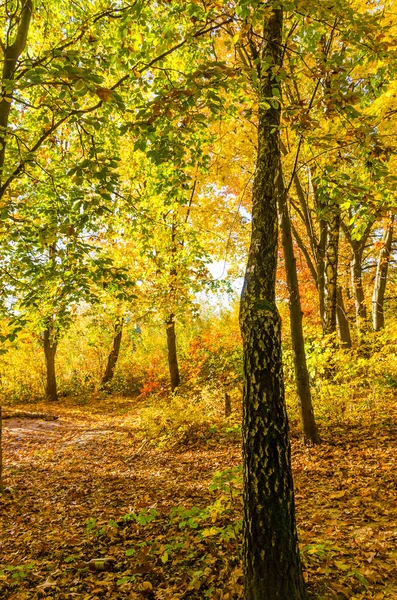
point(378, 297)
point(53, 260)
point(342, 322)
point(161, 191)
point(114, 354)
point(296, 326)
point(272, 565)
point(337, 138)
point(357, 241)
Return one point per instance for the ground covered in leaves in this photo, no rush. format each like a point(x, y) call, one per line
point(95, 511)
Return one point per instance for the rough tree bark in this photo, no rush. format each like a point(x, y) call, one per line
point(50, 348)
point(378, 297)
point(271, 558)
point(342, 322)
point(295, 313)
point(172, 353)
point(113, 355)
point(331, 271)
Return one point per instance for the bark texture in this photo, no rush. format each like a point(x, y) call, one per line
point(50, 348)
point(113, 355)
point(172, 353)
point(378, 317)
point(342, 322)
point(358, 288)
point(271, 558)
point(295, 312)
point(331, 272)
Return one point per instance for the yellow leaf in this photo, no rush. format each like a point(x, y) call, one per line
point(147, 586)
point(338, 495)
point(103, 93)
point(209, 532)
point(341, 565)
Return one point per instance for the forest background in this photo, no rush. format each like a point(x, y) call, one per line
point(128, 148)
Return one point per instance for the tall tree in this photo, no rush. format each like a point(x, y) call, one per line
point(296, 325)
point(271, 557)
point(53, 259)
point(331, 271)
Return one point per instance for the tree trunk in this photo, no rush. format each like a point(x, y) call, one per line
point(357, 248)
point(357, 284)
point(113, 355)
point(342, 322)
point(172, 353)
point(320, 262)
point(228, 405)
point(295, 313)
point(271, 558)
point(378, 318)
point(50, 348)
point(317, 246)
point(320, 249)
point(331, 272)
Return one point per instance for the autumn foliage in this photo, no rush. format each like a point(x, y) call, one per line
point(145, 147)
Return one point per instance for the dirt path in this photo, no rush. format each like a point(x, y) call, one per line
point(75, 480)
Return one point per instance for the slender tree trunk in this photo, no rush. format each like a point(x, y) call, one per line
point(50, 348)
point(271, 558)
point(342, 322)
point(378, 297)
point(172, 353)
point(356, 270)
point(228, 405)
point(320, 261)
point(113, 355)
point(357, 284)
point(317, 244)
point(331, 272)
point(295, 313)
point(320, 249)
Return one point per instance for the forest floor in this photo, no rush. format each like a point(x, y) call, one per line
point(88, 486)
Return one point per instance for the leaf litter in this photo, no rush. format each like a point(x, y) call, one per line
point(93, 511)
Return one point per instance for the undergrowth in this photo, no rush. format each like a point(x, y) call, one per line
point(347, 385)
point(188, 418)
